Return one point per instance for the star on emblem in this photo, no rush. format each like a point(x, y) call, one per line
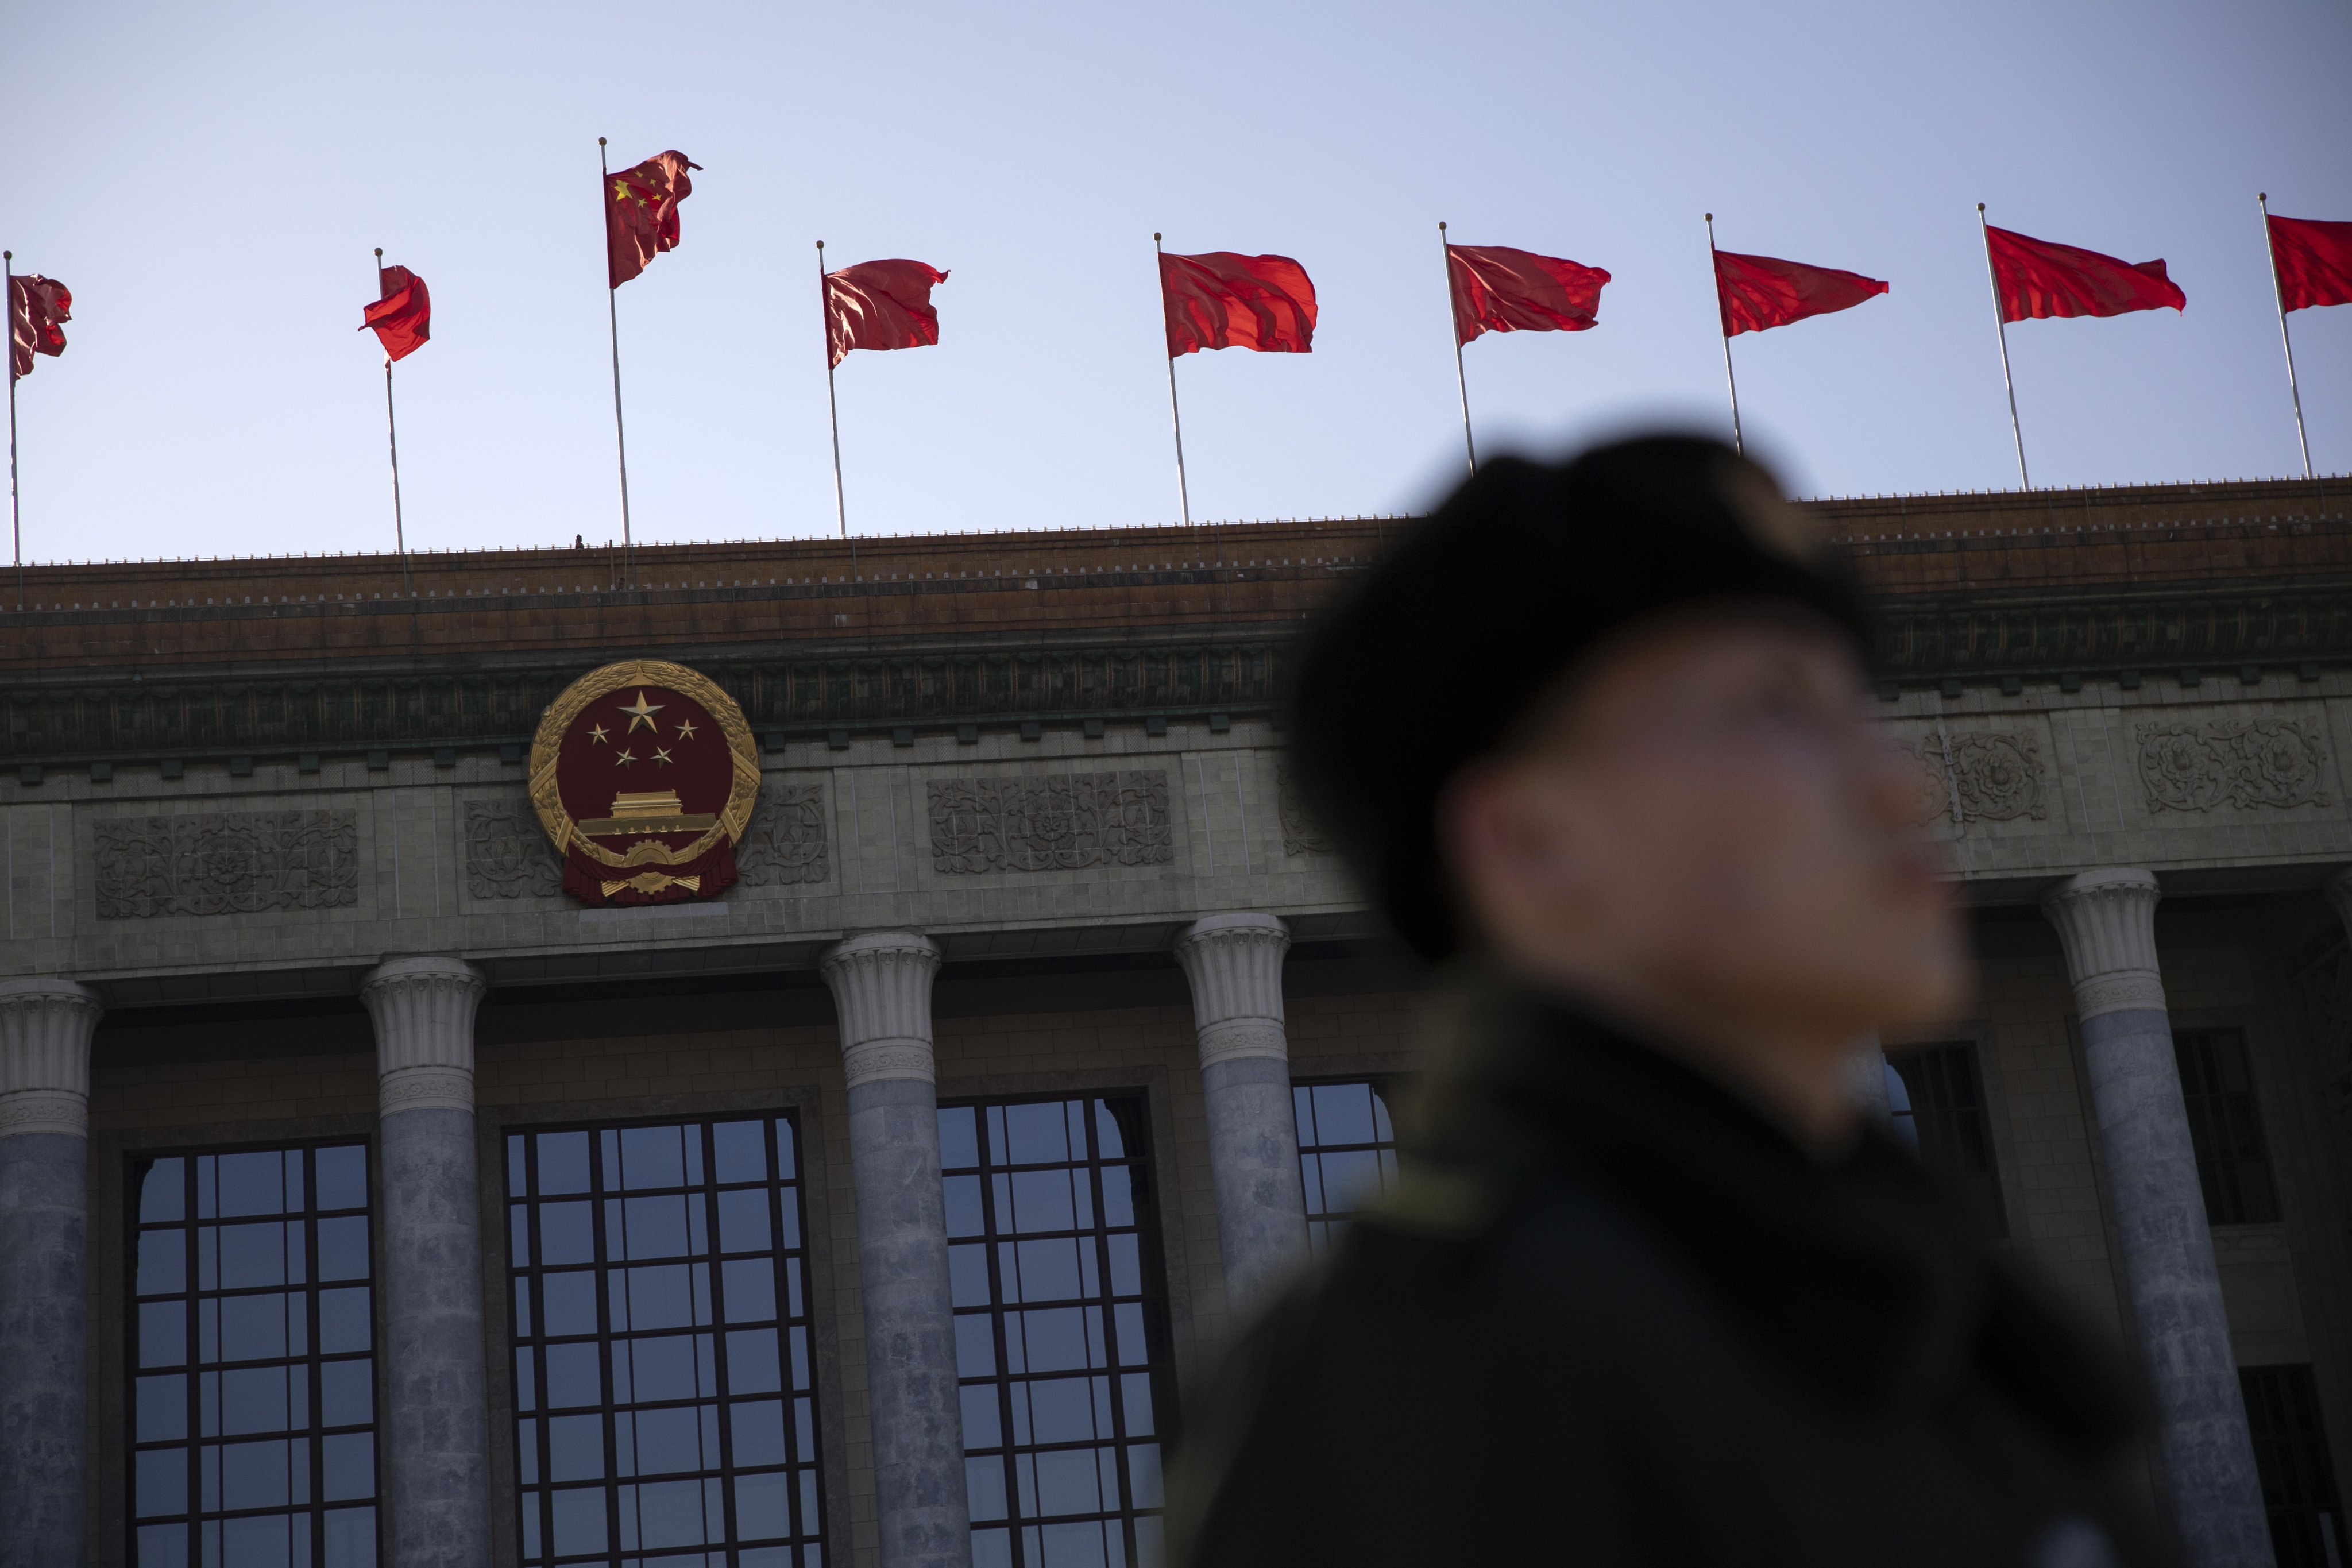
point(643, 713)
point(660, 755)
point(685, 729)
point(625, 758)
point(597, 734)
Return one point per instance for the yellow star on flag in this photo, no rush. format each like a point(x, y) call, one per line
point(642, 713)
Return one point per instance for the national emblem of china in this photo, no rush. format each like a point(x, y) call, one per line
point(644, 774)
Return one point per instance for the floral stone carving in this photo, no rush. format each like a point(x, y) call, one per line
point(1061, 823)
point(1983, 775)
point(785, 842)
point(507, 853)
point(2245, 763)
point(222, 863)
point(1299, 835)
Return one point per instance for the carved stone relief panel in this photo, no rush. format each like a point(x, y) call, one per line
point(2247, 763)
point(507, 852)
point(1056, 823)
point(1978, 775)
point(785, 842)
point(1299, 833)
point(223, 863)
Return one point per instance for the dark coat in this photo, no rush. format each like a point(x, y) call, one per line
point(1614, 1316)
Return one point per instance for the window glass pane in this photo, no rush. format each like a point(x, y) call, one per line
point(1059, 1280)
point(1936, 1101)
point(1347, 1153)
point(661, 1371)
point(2233, 1165)
point(233, 1457)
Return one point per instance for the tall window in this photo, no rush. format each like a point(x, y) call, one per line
point(252, 1410)
point(2233, 1165)
point(1937, 1104)
point(1347, 1153)
point(2291, 1457)
point(1061, 1331)
point(664, 1414)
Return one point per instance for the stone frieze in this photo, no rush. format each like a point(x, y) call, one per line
point(1061, 822)
point(785, 842)
point(2246, 762)
point(1980, 776)
point(224, 863)
point(1299, 833)
point(507, 853)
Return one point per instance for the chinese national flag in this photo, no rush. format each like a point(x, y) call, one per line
point(641, 213)
point(2313, 260)
point(2038, 279)
point(1222, 301)
point(1758, 293)
point(402, 318)
point(36, 306)
point(880, 305)
point(1498, 289)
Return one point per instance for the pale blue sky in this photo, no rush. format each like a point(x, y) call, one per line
point(210, 181)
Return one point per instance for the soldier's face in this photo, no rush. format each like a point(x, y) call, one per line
point(1704, 816)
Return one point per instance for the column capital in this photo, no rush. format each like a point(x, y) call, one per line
point(422, 1008)
point(45, 1030)
point(881, 984)
point(1235, 964)
point(2107, 922)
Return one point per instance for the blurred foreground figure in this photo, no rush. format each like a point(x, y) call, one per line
point(1652, 1290)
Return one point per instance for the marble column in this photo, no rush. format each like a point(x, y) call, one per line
point(432, 1430)
point(882, 991)
point(45, 1030)
point(1234, 963)
point(2106, 920)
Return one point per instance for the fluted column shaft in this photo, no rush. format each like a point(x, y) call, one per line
point(44, 1033)
point(2106, 920)
point(882, 991)
point(432, 1426)
point(1234, 963)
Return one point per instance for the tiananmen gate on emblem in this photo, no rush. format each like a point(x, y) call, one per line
point(644, 774)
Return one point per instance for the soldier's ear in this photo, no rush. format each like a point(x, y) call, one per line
point(1515, 850)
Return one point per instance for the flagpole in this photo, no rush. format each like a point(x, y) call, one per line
point(620, 430)
point(2278, 296)
point(2000, 332)
point(1461, 380)
point(824, 303)
point(16, 523)
point(1730, 381)
point(392, 436)
point(1184, 495)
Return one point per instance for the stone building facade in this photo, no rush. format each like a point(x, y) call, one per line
point(365, 1198)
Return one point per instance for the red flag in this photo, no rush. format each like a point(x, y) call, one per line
point(641, 213)
point(402, 318)
point(2037, 278)
point(2313, 260)
point(1498, 289)
point(36, 306)
point(1756, 293)
point(1225, 301)
point(880, 305)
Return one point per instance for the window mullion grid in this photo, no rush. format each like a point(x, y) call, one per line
point(992, 1228)
point(608, 1338)
point(535, 1334)
point(314, 1410)
point(1096, 1175)
point(194, 1316)
point(714, 1272)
